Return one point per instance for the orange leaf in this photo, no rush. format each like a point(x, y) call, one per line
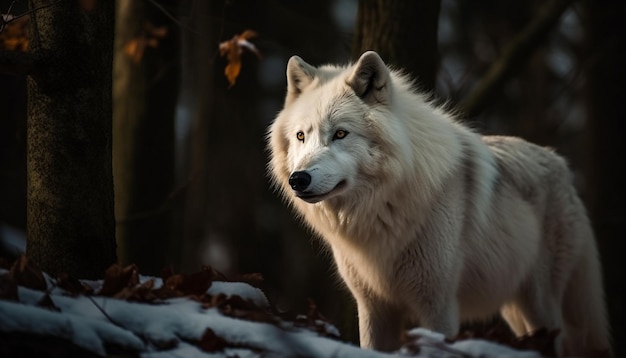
point(116, 278)
point(150, 37)
point(247, 34)
point(233, 50)
point(14, 35)
point(232, 71)
point(157, 32)
point(135, 49)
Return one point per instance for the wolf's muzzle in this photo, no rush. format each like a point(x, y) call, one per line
point(299, 181)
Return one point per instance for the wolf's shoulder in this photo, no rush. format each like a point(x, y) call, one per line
point(526, 163)
point(519, 149)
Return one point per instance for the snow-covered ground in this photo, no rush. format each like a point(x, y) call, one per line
point(178, 316)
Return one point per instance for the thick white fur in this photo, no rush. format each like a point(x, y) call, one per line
point(429, 222)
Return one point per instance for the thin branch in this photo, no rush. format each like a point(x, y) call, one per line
point(173, 18)
point(106, 315)
point(35, 9)
point(8, 18)
point(513, 57)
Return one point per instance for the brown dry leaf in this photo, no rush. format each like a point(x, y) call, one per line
point(87, 5)
point(237, 307)
point(211, 342)
point(116, 278)
point(140, 293)
point(150, 37)
point(166, 272)
point(173, 282)
point(14, 35)
point(253, 279)
point(191, 284)
point(135, 49)
point(233, 49)
point(28, 275)
point(156, 32)
point(315, 321)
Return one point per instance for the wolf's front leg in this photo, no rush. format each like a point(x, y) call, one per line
point(380, 324)
point(441, 316)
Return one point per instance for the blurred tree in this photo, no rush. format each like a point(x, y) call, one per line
point(403, 32)
point(13, 43)
point(13, 150)
point(70, 222)
point(605, 25)
point(145, 92)
point(198, 53)
point(514, 56)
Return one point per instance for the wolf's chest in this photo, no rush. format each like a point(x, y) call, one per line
point(368, 273)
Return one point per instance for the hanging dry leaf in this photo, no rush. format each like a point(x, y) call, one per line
point(13, 33)
point(233, 49)
point(150, 37)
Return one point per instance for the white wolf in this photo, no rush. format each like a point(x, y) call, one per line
point(428, 221)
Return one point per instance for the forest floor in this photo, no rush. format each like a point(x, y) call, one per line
point(202, 314)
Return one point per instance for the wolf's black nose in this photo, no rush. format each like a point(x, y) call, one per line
point(299, 181)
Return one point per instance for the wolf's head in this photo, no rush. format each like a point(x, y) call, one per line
point(333, 137)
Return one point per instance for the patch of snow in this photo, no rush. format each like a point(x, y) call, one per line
point(432, 344)
point(242, 289)
point(88, 333)
point(174, 327)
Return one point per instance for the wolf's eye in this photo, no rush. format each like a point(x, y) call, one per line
point(340, 134)
point(300, 136)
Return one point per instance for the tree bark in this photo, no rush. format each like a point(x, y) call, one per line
point(144, 96)
point(70, 222)
point(403, 32)
point(198, 101)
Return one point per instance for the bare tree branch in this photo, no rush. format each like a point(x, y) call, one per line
point(513, 57)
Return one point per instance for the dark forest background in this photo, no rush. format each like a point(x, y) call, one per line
point(148, 118)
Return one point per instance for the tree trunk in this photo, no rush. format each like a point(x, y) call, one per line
point(70, 221)
point(145, 95)
point(606, 75)
point(197, 101)
point(403, 32)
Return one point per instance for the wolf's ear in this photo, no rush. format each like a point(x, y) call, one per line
point(299, 75)
point(370, 78)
